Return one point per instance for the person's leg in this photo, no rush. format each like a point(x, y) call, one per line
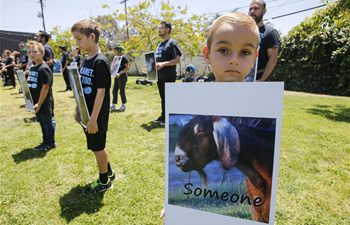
point(161, 89)
point(12, 79)
point(43, 132)
point(50, 132)
point(115, 92)
point(66, 79)
point(97, 143)
point(102, 163)
point(122, 85)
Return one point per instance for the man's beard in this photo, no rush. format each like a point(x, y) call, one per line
point(257, 18)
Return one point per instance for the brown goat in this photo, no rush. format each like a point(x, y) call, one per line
point(250, 149)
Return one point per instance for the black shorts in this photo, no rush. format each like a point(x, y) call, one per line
point(96, 142)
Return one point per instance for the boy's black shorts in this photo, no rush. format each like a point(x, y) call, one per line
point(96, 142)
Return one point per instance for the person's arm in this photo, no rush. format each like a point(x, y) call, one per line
point(173, 62)
point(272, 54)
point(92, 127)
point(43, 93)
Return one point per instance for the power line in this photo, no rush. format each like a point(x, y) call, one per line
point(292, 13)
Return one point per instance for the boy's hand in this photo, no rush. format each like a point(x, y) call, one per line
point(92, 127)
point(36, 108)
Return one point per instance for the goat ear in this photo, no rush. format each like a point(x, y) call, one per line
point(227, 141)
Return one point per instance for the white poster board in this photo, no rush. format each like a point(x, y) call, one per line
point(74, 79)
point(210, 137)
point(116, 65)
point(28, 100)
point(151, 66)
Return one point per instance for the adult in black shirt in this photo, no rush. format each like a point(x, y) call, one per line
point(43, 37)
point(64, 63)
point(120, 81)
point(269, 41)
point(167, 56)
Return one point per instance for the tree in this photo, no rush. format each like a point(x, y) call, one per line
point(315, 55)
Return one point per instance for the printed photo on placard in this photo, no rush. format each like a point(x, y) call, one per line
point(222, 164)
point(28, 100)
point(74, 79)
point(116, 65)
point(151, 66)
point(222, 152)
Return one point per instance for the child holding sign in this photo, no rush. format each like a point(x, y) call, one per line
point(96, 82)
point(232, 48)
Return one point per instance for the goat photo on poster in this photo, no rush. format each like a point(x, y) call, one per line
point(232, 163)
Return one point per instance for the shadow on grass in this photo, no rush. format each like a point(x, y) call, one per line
point(27, 154)
point(30, 120)
point(151, 126)
point(22, 106)
point(338, 113)
point(73, 204)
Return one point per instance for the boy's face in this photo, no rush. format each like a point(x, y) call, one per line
point(35, 54)
point(84, 42)
point(232, 52)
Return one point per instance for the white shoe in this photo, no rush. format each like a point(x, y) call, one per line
point(122, 108)
point(112, 107)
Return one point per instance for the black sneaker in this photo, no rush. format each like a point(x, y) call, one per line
point(97, 187)
point(112, 176)
point(48, 147)
point(159, 120)
point(39, 147)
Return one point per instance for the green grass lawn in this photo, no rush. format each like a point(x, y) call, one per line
point(44, 188)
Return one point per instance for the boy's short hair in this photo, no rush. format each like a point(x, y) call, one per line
point(87, 27)
point(33, 44)
point(235, 18)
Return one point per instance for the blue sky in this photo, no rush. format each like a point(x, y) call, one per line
point(21, 15)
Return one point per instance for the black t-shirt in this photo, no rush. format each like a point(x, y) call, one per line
point(10, 69)
point(77, 59)
point(166, 51)
point(269, 38)
point(95, 74)
point(122, 63)
point(64, 59)
point(49, 54)
point(24, 59)
point(38, 76)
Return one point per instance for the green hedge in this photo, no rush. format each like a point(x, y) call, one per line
point(315, 56)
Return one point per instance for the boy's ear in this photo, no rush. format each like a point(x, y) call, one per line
point(92, 36)
point(206, 54)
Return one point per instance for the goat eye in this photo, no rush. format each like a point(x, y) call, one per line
point(201, 133)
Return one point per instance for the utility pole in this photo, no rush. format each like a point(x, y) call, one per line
point(42, 13)
point(126, 18)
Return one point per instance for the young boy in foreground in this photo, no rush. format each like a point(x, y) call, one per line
point(231, 49)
